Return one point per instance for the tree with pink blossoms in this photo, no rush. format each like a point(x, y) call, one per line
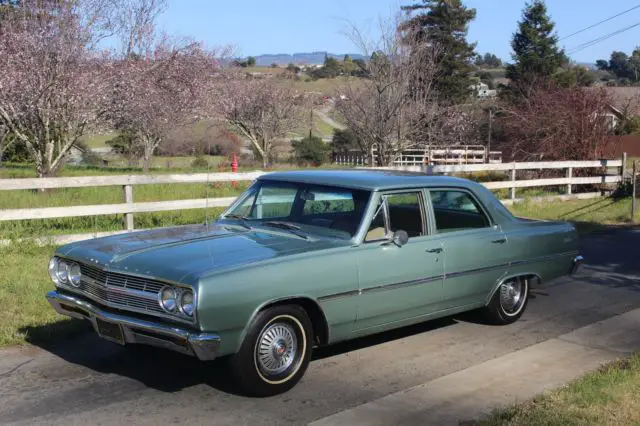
point(53, 83)
point(160, 91)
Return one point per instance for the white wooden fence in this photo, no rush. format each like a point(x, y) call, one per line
point(435, 155)
point(610, 175)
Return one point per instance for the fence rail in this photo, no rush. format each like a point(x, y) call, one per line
point(610, 175)
point(464, 154)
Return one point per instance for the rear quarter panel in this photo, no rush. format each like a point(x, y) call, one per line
point(543, 248)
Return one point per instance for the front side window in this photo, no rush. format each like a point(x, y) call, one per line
point(404, 213)
point(456, 210)
point(328, 210)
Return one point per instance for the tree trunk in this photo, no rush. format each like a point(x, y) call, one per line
point(146, 163)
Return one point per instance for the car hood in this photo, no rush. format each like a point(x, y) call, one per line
point(185, 253)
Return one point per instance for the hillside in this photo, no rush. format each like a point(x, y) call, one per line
point(310, 58)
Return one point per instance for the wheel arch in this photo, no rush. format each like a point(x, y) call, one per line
point(316, 315)
point(527, 275)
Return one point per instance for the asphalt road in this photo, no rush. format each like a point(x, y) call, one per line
point(89, 381)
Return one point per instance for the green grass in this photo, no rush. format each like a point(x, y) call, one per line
point(322, 127)
point(608, 396)
point(98, 140)
point(588, 215)
point(26, 315)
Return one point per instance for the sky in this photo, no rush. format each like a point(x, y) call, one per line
point(257, 27)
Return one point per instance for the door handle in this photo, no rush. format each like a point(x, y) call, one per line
point(435, 250)
point(500, 241)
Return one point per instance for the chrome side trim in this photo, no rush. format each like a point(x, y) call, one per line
point(428, 279)
point(402, 284)
point(339, 295)
point(543, 258)
point(204, 346)
point(477, 270)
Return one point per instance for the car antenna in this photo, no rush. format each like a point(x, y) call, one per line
point(206, 194)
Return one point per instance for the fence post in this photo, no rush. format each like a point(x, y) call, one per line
point(624, 167)
point(128, 198)
point(634, 179)
point(569, 175)
point(513, 179)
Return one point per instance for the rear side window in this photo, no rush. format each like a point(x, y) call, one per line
point(457, 211)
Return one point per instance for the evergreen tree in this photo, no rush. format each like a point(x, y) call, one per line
point(535, 50)
point(445, 22)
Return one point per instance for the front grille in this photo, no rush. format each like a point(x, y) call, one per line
point(121, 291)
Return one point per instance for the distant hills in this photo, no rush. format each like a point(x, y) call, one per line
point(310, 58)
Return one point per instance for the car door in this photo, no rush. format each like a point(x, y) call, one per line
point(398, 283)
point(476, 252)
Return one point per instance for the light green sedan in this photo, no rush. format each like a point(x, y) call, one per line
point(309, 258)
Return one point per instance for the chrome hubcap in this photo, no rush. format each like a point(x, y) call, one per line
point(511, 296)
point(277, 348)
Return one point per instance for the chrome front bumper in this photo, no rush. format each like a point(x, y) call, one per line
point(204, 346)
point(577, 263)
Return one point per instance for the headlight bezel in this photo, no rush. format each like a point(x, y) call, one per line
point(62, 272)
point(70, 275)
point(181, 303)
point(53, 269)
point(174, 310)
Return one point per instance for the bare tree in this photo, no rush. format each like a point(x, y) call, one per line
point(262, 110)
point(135, 20)
point(558, 124)
point(383, 110)
point(52, 85)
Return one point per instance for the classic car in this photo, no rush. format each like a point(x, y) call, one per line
point(309, 258)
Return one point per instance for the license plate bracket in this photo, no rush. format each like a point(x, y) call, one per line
point(110, 331)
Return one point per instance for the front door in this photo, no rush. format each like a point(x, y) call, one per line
point(398, 283)
point(476, 252)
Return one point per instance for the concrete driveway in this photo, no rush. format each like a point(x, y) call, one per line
point(89, 381)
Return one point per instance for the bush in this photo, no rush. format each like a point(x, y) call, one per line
point(310, 150)
point(92, 158)
point(200, 163)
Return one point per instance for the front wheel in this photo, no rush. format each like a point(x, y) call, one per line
point(275, 352)
point(509, 301)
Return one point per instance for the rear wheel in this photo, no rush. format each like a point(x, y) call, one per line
point(275, 353)
point(509, 301)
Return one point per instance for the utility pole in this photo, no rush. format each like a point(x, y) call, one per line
point(310, 122)
point(489, 136)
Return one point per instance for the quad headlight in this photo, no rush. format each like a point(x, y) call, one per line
point(168, 299)
point(64, 272)
point(177, 301)
point(187, 305)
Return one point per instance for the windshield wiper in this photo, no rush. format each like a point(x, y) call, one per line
point(286, 225)
point(242, 219)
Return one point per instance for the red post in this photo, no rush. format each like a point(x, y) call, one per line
point(234, 167)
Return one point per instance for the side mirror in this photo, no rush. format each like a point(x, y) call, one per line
point(400, 238)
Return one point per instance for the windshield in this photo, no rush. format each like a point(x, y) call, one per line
point(326, 210)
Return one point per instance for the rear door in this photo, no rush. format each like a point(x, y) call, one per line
point(476, 251)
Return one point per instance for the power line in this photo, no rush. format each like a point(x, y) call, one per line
point(600, 39)
point(601, 22)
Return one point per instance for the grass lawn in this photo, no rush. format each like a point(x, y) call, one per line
point(25, 279)
point(587, 215)
point(609, 396)
point(98, 140)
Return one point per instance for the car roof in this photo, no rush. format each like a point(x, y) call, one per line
point(368, 179)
